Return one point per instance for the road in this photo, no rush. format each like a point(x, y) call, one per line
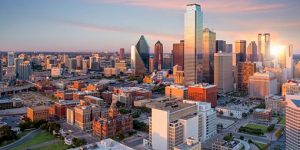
point(24, 139)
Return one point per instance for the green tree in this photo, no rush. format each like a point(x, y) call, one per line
point(78, 142)
point(7, 134)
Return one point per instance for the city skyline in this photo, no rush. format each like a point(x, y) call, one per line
point(96, 24)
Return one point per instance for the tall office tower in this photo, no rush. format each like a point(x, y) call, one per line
point(240, 48)
point(228, 48)
point(65, 60)
point(122, 53)
point(167, 61)
point(207, 119)
point(264, 49)
point(292, 129)
point(10, 59)
point(220, 46)
point(137, 63)
point(223, 77)
point(171, 123)
point(143, 50)
point(251, 52)
point(178, 54)
point(209, 48)
point(72, 65)
point(297, 70)
point(1, 70)
point(151, 64)
point(245, 70)
point(18, 63)
point(262, 84)
point(285, 60)
point(193, 25)
point(78, 62)
point(85, 64)
point(203, 92)
point(25, 70)
point(158, 55)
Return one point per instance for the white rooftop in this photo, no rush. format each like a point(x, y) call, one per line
point(106, 144)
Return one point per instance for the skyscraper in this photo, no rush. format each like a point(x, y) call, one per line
point(209, 47)
point(223, 77)
point(178, 54)
point(292, 122)
point(25, 70)
point(193, 25)
point(228, 48)
point(251, 52)
point(158, 55)
point(264, 48)
point(10, 59)
point(240, 48)
point(220, 45)
point(143, 50)
point(151, 64)
point(137, 63)
point(122, 53)
point(1, 70)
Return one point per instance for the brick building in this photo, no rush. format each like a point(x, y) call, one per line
point(203, 92)
point(38, 113)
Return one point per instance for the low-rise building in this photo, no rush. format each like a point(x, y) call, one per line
point(227, 145)
point(262, 84)
point(262, 114)
point(276, 104)
point(36, 113)
point(176, 91)
point(291, 87)
point(203, 92)
point(106, 144)
point(233, 111)
point(108, 72)
point(94, 100)
point(190, 144)
point(10, 103)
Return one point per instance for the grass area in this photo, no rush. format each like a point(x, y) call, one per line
point(257, 126)
point(58, 146)
point(38, 139)
point(11, 141)
point(281, 120)
point(261, 146)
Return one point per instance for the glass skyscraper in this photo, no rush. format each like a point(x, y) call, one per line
point(143, 50)
point(209, 48)
point(193, 26)
point(264, 48)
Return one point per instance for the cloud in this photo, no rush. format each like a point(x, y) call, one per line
point(217, 6)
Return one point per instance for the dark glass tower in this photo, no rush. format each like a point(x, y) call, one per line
point(143, 50)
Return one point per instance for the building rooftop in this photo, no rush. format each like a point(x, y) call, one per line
point(171, 106)
point(178, 87)
point(296, 102)
point(106, 144)
point(67, 102)
point(203, 85)
point(36, 108)
point(263, 110)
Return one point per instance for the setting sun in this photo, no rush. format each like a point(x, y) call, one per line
point(277, 49)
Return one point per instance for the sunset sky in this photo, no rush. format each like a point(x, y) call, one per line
point(107, 25)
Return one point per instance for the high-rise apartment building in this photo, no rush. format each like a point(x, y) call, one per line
point(193, 26)
point(264, 49)
point(72, 64)
point(245, 70)
point(262, 84)
point(25, 70)
point(207, 119)
point(240, 48)
point(292, 130)
point(285, 60)
point(223, 77)
point(178, 54)
point(220, 46)
point(122, 53)
point(203, 92)
point(252, 52)
point(209, 48)
point(158, 55)
point(171, 123)
point(10, 59)
point(167, 61)
point(1, 70)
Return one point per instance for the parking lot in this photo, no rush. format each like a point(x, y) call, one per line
point(32, 98)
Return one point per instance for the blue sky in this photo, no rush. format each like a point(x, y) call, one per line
point(107, 25)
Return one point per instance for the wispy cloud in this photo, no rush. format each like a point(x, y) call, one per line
point(135, 31)
point(226, 6)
